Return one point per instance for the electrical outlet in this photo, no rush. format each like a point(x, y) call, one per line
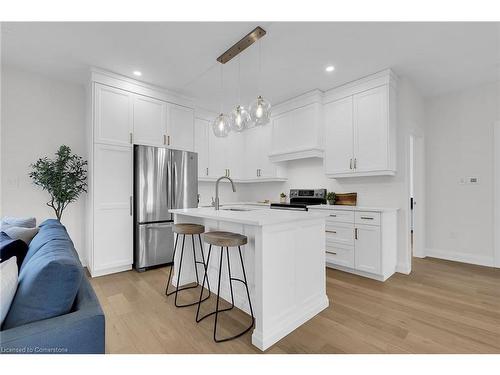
point(473, 180)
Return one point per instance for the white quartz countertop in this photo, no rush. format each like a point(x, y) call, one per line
point(350, 208)
point(251, 216)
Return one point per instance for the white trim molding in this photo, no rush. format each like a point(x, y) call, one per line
point(480, 260)
point(496, 193)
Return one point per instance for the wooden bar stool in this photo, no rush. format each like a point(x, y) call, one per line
point(188, 229)
point(225, 239)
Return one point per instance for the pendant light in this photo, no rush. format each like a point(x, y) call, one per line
point(222, 123)
point(260, 109)
point(240, 118)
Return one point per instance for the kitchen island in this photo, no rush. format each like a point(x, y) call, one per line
point(284, 262)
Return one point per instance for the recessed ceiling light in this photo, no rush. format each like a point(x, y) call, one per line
point(137, 73)
point(330, 68)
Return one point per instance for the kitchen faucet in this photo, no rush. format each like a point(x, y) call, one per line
point(216, 203)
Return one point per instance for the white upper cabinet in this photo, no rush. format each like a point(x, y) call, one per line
point(180, 127)
point(371, 130)
point(360, 128)
point(338, 125)
point(297, 129)
point(257, 146)
point(113, 111)
point(201, 129)
point(150, 121)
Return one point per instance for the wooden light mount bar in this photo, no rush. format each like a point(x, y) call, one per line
point(243, 44)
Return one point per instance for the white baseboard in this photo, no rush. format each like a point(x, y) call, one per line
point(480, 260)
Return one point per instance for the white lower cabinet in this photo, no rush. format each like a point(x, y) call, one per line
point(361, 242)
point(367, 256)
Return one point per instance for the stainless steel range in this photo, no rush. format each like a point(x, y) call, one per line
point(301, 198)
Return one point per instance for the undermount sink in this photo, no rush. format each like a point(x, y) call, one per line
point(237, 209)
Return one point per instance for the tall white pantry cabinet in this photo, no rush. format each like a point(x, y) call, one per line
point(122, 113)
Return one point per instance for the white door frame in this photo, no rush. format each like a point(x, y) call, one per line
point(419, 193)
point(496, 193)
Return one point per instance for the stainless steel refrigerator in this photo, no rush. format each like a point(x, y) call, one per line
point(163, 179)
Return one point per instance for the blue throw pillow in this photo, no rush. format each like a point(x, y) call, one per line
point(12, 248)
point(48, 285)
point(25, 222)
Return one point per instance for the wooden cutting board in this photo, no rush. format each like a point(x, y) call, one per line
point(346, 199)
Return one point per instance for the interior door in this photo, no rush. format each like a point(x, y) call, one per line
point(180, 127)
point(150, 121)
point(371, 130)
point(113, 115)
point(113, 227)
point(339, 136)
point(201, 129)
point(367, 248)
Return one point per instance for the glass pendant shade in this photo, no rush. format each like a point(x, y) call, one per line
point(221, 125)
point(240, 119)
point(260, 111)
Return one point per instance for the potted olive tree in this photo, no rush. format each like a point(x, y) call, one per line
point(330, 197)
point(64, 178)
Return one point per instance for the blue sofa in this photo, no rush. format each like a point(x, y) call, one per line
point(81, 329)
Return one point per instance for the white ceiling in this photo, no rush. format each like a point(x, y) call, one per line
point(437, 57)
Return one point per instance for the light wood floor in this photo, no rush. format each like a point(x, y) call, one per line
point(442, 307)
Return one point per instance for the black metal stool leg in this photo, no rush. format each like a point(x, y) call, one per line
point(230, 277)
point(205, 264)
point(246, 286)
point(171, 267)
point(244, 281)
point(218, 293)
point(194, 259)
point(179, 274)
point(205, 276)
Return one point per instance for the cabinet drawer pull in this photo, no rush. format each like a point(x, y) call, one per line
point(331, 252)
point(333, 215)
point(355, 233)
point(207, 171)
point(366, 218)
point(131, 206)
point(130, 136)
point(350, 163)
point(164, 139)
point(168, 140)
point(331, 231)
point(355, 163)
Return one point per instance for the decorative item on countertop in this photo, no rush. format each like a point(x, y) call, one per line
point(282, 198)
point(346, 199)
point(64, 178)
point(330, 197)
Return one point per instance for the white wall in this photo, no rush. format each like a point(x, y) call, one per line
point(38, 115)
point(372, 191)
point(460, 144)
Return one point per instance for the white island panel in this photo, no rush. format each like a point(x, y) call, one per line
point(284, 262)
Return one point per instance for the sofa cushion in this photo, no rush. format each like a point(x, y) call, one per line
point(49, 230)
point(10, 247)
point(8, 285)
point(25, 222)
point(48, 281)
point(21, 233)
